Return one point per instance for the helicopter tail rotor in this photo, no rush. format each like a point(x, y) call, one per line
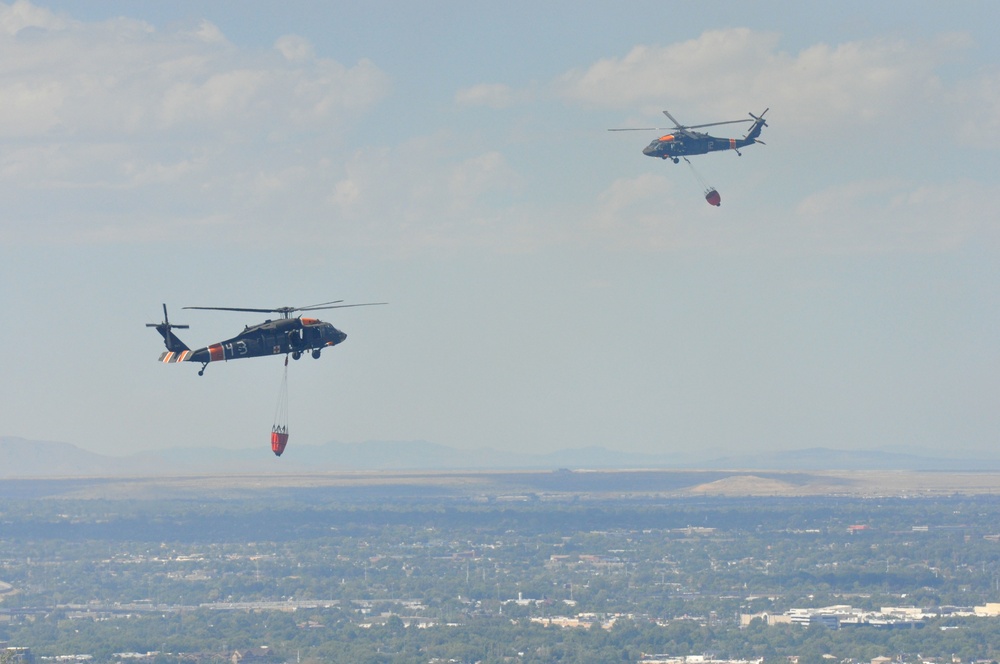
point(166, 328)
point(758, 123)
point(760, 118)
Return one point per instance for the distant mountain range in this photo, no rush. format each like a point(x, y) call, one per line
point(21, 458)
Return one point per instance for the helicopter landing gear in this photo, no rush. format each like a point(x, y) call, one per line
point(315, 354)
point(201, 372)
point(296, 354)
point(676, 160)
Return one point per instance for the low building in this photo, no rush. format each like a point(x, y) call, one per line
point(829, 616)
point(693, 659)
point(766, 618)
point(989, 610)
point(261, 655)
point(840, 616)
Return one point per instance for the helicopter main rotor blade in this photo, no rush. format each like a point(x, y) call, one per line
point(680, 127)
point(313, 306)
point(275, 310)
point(677, 124)
point(707, 124)
point(712, 124)
point(341, 306)
point(287, 311)
point(256, 311)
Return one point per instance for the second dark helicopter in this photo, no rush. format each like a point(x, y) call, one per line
point(683, 142)
point(286, 335)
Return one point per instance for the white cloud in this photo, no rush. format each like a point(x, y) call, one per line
point(154, 133)
point(722, 71)
point(345, 194)
point(625, 194)
point(719, 60)
point(492, 95)
point(294, 48)
point(222, 96)
point(21, 15)
point(891, 215)
point(647, 213)
point(479, 175)
point(30, 108)
point(122, 77)
point(979, 124)
point(888, 215)
point(180, 124)
point(208, 33)
point(426, 193)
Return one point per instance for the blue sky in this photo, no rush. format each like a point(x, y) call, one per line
point(550, 286)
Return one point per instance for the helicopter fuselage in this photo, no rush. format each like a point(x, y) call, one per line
point(272, 337)
point(674, 146)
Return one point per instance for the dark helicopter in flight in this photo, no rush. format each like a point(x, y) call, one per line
point(286, 335)
point(683, 142)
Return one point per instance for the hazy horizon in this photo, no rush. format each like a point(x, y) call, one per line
point(24, 459)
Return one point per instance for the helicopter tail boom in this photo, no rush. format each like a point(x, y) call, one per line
point(169, 357)
point(170, 340)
